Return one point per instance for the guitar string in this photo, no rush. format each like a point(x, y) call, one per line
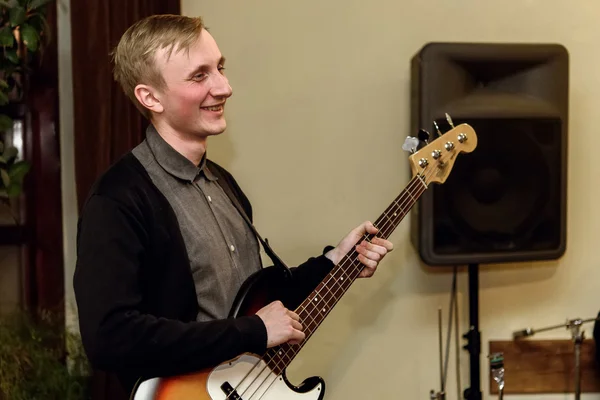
point(348, 269)
point(400, 202)
point(357, 270)
point(359, 267)
point(300, 309)
point(416, 182)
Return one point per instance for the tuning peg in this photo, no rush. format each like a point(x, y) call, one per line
point(437, 128)
point(411, 144)
point(449, 120)
point(424, 136)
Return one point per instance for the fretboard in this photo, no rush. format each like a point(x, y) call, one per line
point(326, 295)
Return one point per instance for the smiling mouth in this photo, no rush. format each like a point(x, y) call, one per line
point(213, 108)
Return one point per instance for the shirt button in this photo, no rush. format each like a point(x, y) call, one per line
point(232, 248)
point(209, 199)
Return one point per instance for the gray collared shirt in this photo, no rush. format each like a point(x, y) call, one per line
point(222, 249)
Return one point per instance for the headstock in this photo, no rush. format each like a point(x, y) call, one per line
point(434, 161)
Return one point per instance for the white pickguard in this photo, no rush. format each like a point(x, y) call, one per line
point(147, 389)
point(252, 382)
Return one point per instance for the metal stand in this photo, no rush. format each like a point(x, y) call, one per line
point(452, 317)
point(473, 337)
point(441, 395)
point(577, 335)
point(497, 372)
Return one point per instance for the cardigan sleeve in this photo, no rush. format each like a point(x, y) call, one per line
point(306, 277)
point(117, 334)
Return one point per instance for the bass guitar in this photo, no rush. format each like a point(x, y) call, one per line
point(263, 376)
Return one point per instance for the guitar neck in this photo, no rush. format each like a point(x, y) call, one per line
point(326, 295)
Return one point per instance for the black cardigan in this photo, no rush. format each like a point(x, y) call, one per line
point(134, 290)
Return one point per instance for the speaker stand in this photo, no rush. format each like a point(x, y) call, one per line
point(473, 336)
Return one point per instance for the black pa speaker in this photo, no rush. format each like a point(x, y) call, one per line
point(505, 201)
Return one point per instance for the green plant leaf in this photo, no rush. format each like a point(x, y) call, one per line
point(30, 37)
point(32, 358)
point(38, 21)
point(35, 4)
point(17, 16)
point(7, 38)
point(10, 153)
point(14, 189)
point(18, 170)
point(11, 55)
point(9, 3)
point(5, 177)
point(6, 123)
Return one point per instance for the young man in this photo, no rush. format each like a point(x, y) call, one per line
point(162, 247)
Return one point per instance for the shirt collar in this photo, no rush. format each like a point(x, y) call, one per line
point(174, 162)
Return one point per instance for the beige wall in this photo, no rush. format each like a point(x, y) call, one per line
point(316, 124)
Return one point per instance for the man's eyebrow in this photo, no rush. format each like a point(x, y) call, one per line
point(204, 67)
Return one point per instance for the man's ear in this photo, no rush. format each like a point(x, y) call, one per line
point(149, 98)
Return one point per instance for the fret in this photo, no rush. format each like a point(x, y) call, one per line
point(411, 196)
point(321, 301)
point(322, 296)
point(315, 308)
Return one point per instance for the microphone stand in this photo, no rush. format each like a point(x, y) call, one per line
point(473, 336)
point(577, 335)
point(441, 395)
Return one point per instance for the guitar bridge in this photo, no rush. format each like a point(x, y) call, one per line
point(230, 392)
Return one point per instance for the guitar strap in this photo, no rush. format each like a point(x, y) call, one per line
point(277, 261)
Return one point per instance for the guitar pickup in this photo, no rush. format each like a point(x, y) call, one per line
point(230, 392)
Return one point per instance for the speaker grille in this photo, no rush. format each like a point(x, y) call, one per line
point(503, 196)
point(505, 201)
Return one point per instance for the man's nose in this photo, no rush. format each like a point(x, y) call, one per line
point(221, 87)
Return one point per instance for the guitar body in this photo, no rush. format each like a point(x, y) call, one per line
point(241, 375)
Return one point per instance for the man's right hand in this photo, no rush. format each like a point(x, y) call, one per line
point(283, 325)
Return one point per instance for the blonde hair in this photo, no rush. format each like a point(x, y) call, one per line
point(134, 55)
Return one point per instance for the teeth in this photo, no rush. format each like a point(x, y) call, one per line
point(215, 108)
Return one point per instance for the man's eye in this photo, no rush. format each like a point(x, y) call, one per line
point(199, 77)
point(221, 68)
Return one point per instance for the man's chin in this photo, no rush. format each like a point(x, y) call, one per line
point(216, 130)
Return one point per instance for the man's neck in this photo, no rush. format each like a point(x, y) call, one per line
point(192, 148)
